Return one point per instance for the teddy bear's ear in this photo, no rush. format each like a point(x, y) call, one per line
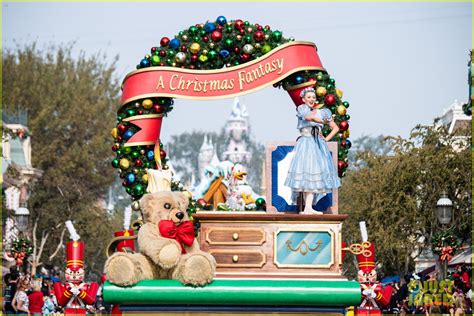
point(182, 200)
point(148, 203)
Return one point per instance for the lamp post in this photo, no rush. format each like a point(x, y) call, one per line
point(22, 215)
point(444, 212)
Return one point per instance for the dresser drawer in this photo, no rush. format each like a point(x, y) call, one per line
point(238, 258)
point(216, 236)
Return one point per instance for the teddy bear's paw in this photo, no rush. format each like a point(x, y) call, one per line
point(197, 271)
point(122, 270)
point(168, 256)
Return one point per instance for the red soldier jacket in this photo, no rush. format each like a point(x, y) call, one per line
point(375, 296)
point(86, 296)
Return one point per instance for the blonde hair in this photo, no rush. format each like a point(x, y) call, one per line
point(36, 285)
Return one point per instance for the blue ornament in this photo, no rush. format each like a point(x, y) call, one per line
point(209, 27)
point(348, 143)
point(224, 53)
point(174, 43)
point(150, 155)
point(221, 20)
point(144, 63)
point(299, 79)
point(127, 134)
point(130, 178)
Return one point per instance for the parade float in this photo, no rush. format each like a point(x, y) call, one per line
point(268, 257)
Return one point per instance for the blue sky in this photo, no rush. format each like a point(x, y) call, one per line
point(399, 64)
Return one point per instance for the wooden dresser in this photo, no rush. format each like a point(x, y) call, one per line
point(272, 245)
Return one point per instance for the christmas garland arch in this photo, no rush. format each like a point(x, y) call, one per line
point(213, 45)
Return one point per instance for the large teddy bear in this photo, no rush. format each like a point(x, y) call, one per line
point(161, 256)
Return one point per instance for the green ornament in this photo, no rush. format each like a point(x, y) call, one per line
point(162, 101)
point(221, 207)
point(246, 23)
point(276, 35)
point(171, 53)
point(119, 118)
point(138, 190)
point(128, 190)
point(196, 39)
point(346, 104)
point(193, 30)
point(181, 33)
point(228, 29)
point(203, 32)
point(203, 58)
point(115, 163)
point(131, 112)
point(248, 39)
point(347, 117)
point(228, 42)
point(147, 164)
point(259, 203)
point(212, 54)
point(155, 60)
point(127, 150)
point(119, 152)
point(135, 154)
point(329, 86)
point(332, 81)
point(266, 48)
point(236, 63)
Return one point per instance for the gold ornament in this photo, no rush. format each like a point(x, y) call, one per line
point(136, 206)
point(239, 37)
point(212, 45)
point(267, 37)
point(173, 64)
point(147, 56)
point(205, 51)
point(135, 171)
point(188, 194)
point(321, 91)
point(346, 134)
point(195, 48)
point(145, 178)
point(114, 132)
point(201, 25)
point(142, 151)
point(258, 46)
point(147, 104)
point(184, 37)
point(124, 164)
point(339, 93)
point(341, 110)
point(249, 30)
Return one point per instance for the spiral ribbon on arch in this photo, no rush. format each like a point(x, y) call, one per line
point(174, 82)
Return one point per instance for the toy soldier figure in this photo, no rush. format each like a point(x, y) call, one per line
point(374, 296)
point(74, 295)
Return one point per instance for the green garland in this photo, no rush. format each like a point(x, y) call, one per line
point(22, 245)
point(443, 239)
point(213, 45)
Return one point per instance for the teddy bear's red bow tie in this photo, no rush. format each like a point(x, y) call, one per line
point(184, 233)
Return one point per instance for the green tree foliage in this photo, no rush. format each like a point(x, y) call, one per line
point(71, 104)
point(396, 194)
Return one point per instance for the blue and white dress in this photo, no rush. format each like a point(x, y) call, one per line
point(312, 168)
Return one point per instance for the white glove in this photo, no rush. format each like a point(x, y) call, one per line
point(367, 292)
point(75, 290)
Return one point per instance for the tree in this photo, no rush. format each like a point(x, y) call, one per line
point(396, 194)
point(71, 105)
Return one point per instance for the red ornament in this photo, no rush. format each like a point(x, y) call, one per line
point(245, 57)
point(162, 53)
point(259, 36)
point(114, 148)
point(259, 27)
point(162, 64)
point(341, 165)
point(201, 202)
point(124, 183)
point(153, 49)
point(158, 108)
point(236, 50)
point(121, 128)
point(119, 139)
point(220, 28)
point(343, 126)
point(138, 163)
point(205, 39)
point(162, 154)
point(216, 36)
point(330, 99)
point(238, 24)
point(164, 41)
point(140, 112)
point(312, 80)
point(184, 48)
point(267, 27)
point(192, 67)
point(194, 58)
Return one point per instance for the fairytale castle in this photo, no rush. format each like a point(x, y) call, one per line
point(237, 130)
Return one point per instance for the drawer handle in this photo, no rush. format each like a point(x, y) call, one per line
point(235, 258)
point(235, 236)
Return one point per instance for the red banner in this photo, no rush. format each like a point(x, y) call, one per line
point(222, 83)
point(149, 133)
